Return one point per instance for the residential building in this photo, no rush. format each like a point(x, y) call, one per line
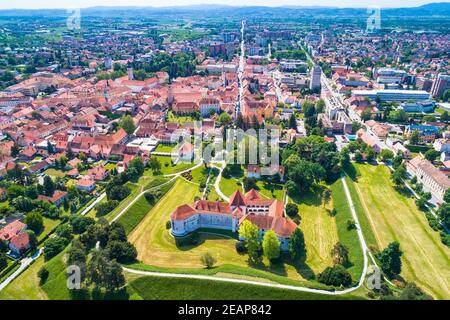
point(433, 180)
point(440, 85)
point(316, 74)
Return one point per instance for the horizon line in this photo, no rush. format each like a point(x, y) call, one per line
point(224, 5)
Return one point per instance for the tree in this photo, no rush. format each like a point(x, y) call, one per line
point(103, 208)
point(23, 204)
point(54, 246)
point(81, 223)
point(291, 209)
point(250, 233)
point(414, 137)
point(77, 254)
point(154, 164)
point(271, 245)
point(390, 260)
point(444, 214)
point(398, 176)
point(249, 183)
point(49, 186)
point(127, 124)
point(43, 275)
point(398, 160)
point(104, 273)
point(432, 155)
point(386, 155)
point(292, 121)
point(50, 148)
point(447, 196)
point(208, 260)
point(358, 156)
point(412, 292)
point(339, 254)
point(370, 154)
point(366, 114)
point(224, 119)
point(297, 247)
point(240, 121)
point(336, 276)
point(3, 261)
point(123, 252)
point(35, 222)
point(33, 241)
point(65, 231)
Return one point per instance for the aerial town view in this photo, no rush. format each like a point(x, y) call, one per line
point(152, 150)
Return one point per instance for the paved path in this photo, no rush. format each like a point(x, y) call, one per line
point(92, 205)
point(217, 182)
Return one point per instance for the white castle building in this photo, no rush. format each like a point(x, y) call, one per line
point(266, 214)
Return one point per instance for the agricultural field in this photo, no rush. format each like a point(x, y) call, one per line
point(393, 216)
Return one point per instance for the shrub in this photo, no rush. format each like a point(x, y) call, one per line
point(351, 225)
point(291, 209)
point(240, 247)
point(43, 275)
point(336, 276)
point(168, 224)
point(208, 260)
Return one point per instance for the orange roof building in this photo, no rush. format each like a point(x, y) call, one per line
point(266, 214)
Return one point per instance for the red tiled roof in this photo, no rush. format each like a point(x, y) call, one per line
point(11, 229)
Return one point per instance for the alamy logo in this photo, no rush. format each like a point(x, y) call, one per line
point(374, 279)
point(234, 146)
point(73, 21)
point(374, 19)
point(74, 277)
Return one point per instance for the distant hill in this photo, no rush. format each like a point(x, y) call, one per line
point(432, 9)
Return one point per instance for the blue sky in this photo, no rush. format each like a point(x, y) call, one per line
point(35, 4)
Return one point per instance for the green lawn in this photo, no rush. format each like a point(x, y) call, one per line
point(319, 228)
point(229, 186)
point(393, 216)
point(54, 173)
point(178, 118)
point(168, 168)
point(26, 286)
point(110, 166)
point(169, 148)
point(134, 215)
point(151, 288)
point(49, 225)
point(270, 190)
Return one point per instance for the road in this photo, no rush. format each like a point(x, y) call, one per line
point(241, 71)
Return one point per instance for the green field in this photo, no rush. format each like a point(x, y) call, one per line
point(319, 228)
point(393, 216)
point(151, 288)
point(348, 238)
